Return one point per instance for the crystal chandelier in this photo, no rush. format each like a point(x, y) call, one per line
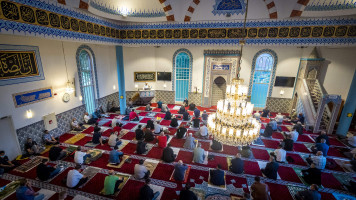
point(233, 123)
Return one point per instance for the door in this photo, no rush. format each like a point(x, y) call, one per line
point(8, 137)
point(218, 90)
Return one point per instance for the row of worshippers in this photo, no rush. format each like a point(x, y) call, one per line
point(279, 118)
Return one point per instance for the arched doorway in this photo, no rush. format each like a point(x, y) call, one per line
point(218, 90)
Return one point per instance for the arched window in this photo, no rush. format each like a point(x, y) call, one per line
point(182, 72)
point(262, 77)
point(87, 77)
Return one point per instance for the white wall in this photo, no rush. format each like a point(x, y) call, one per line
point(55, 76)
point(337, 81)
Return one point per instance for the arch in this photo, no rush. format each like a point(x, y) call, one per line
point(167, 9)
point(272, 10)
point(91, 75)
point(187, 53)
point(299, 7)
point(218, 90)
point(265, 53)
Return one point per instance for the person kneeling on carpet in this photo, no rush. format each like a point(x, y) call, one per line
point(157, 127)
point(181, 131)
point(148, 107)
point(189, 142)
point(311, 194)
point(56, 153)
point(141, 147)
point(140, 170)
point(312, 175)
point(271, 168)
point(199, 154)
point(181, 110)
point(114, 140)
point(246, 152)
point(237, 164)
point(112, 183)
point(97, 139)
point(149, 137)
point(133, 116)
point(80, 156)
point(217, 176)
point(168, 115)
point(75, 179)
point(196, 122)
point(186, 116)
point(174, 122)
point(147, 193)
point(25, 191)
point(260, 190)
point(203, 132)
point(114, 156)
point(162, 140)
point(179, 170)
point(216, 146)
point(268, 131)
point(45, 171)
point(186, 194)
point(168, 156)
point(139, 135)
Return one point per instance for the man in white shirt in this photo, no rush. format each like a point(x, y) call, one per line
point(75, 179)
point(157, 127)
point(88, 119)
point(80, 156)
point(146, 86)
point(141, 171)
point(203, 132)
point(113, 140)
point(257, 115)
point(280, 154)
point(319, 160)
point(279, 118)
point(76, 125)
point(294, 134)
point(113, 122)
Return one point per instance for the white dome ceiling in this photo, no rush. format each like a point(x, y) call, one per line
point(202, 10)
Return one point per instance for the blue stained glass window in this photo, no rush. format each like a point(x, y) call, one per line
point(182, 75)
point(87, 81)
point(262, 79)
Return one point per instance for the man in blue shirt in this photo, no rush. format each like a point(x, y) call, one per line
point(217, 176)
point(179, 171)
point(159, 104)
point(49, 139)
point(114, 156)
point(196, 112)
point(323, 147)
point(25, 192)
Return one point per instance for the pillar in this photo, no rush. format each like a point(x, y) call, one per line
point(121, 78)
point(348, 110)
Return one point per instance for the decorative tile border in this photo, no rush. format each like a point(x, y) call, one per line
point(282, 105)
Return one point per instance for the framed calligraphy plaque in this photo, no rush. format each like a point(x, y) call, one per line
point(33, 96)
point(19, 64)
point(145, 76)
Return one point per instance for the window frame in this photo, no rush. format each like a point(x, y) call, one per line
point(174, 77)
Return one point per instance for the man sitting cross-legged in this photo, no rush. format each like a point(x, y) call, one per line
point(203, 132)
point(312, 175)
point(31, 147)
point(181, 131)
point(139, 135)
point(141, 147)
point(199, 154)
point(174, 122)
point(237, 164)
point(146, 193)
point(45, 171)
point(271, 169)
point(49, 139)
point(179, 170)
point(217, 176)
point(140, 170)
point(75, 179)
point(112, 183)
point(189, 142)
point(168, 155)
point(114, 140)
point(114, 156)
point(80, 156)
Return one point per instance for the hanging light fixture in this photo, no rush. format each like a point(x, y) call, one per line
point(233, 123)
point(69, 88)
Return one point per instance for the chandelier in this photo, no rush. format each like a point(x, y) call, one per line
point(233, 123)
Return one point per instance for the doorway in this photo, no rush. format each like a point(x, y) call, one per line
point(218, 90)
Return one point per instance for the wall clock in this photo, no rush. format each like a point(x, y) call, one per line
point(66, 97)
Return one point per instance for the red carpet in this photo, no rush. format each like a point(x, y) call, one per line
point(171, 106)
point(156, 110)
point(128, 168)
point(300, 148)
point(329, 181)
point(285, 129)
point(288, 174)
point(173, 112)
point(161, 115)
point(155, 152)
point(252, 168)
point(60, 177)
point(177, 142)
point(172, 131)
point(129, 126)
point(89, 130)
point(131, 190)
point(205, 145)
point(65, 137)
point(185, 156)
point(142, 114)
point(144, 120)
point(305, 138)
point(261, 154)
point(230, 150)
point(101, 162)
point(334, 151)
point(130, 148)
point(239, 181)
point(196, 174)
point(170, 193)
point(265, 120)
point(336, 142)
point(95, 185)
point(217, 160)
point(297, 159)
point(286, 123)
point(165, 122)
point(337, 166)
point(83, 141)
point(279, 191)
point(271, 143)
point(129, 136)
point(163, 172)
point(277, 135)
point(141, 108)
point(107, 133)
point(328, 196)
point(107, 123)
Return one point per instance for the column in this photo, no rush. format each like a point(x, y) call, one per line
point(348, 110)
point(121, 78)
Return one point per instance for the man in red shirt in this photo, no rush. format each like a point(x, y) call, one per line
point(133, 116)
point(162, 140)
